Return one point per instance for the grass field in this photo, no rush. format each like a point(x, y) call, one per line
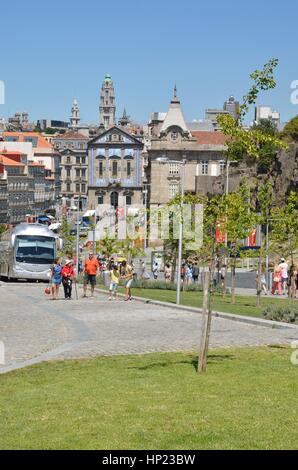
point(246, 400)
point(245, 305)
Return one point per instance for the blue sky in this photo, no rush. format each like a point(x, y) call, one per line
point(54, 51)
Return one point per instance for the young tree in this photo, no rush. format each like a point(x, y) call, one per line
point(249, 143)
point(264, 202)
point(240, 221)
point(68, 240)
point(285, 226)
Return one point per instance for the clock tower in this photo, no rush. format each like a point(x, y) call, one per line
point(107, 106)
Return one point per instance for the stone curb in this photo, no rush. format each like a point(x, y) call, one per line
point(227, 316)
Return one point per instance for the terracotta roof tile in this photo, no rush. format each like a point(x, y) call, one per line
point(8, 162)
point(71, 135)
point(209, 138)
point(41, 141)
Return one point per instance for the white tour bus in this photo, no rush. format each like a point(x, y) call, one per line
point(27, 252)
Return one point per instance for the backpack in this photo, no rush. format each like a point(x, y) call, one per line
point(57, 269)
point(195, 271)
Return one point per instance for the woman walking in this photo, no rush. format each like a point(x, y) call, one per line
point(56, 278)
point(168, 273)
point(67, 278)
point(277, 280)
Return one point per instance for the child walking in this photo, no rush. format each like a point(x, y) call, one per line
point(115, 279)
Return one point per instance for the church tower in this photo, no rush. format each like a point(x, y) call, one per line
point(107, 106)
point(75, 115)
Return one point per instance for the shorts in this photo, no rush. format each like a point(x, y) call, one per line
point(128, 284)
point(57, 281)
point(284, 279)
point(113, 287)
point(90, 278)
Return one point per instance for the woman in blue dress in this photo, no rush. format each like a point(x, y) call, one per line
point(56, 279)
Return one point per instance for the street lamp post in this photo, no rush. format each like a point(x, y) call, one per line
point(165, 160)
point(78, 220)
point(145, 193)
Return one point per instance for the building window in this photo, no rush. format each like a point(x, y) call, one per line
point(100, 200)
point(83, 160)
point(174, 169)
point(205, 168)
point(83, 188)
point(173, 190)
point(128, 200)
point(222, 166)
point(77, 188)
point(83, 173)
point(68, 159)
point(128, 169)
point(101, 168)
point(114, 169)
point(68, 172)
point(77, 173)
point(77, 160)
point(68, 187)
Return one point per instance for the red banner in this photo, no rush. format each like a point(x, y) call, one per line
point(252, 239)
point(220, 234)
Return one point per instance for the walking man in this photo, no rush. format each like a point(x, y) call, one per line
point(91, 269)
point(195, 273)
point(284, 275)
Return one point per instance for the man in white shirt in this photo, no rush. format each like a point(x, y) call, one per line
point(284, 274)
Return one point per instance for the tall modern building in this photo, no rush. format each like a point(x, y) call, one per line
point(265, 112)
point(107, 106)
point(232, 107)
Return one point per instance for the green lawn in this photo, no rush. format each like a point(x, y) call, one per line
point(245, 305)
point(246, 400)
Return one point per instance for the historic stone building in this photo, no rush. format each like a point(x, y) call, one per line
point(171, 140)
point(115, 169)
point(72, 147)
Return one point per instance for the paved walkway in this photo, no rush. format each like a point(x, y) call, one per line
point(33, 328)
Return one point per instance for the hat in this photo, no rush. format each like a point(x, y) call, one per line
point(68, 261)
point(282, 260)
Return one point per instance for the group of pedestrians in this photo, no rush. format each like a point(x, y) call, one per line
point(190, 273)
point(285, 279)
point(91, 269)
point(120, 271)
point(64, 275)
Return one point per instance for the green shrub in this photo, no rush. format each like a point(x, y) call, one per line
point(163, 285)
point(284, 313)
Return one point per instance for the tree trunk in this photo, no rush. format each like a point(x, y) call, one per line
point(259, 280)
point(205, 324)
point(225, 281)
point(233, 273)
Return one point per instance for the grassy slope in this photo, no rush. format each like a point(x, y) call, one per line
point(247, 399)
point(245, 305)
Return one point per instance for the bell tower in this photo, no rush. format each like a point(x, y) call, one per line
point(75, 115)
point(107, 106)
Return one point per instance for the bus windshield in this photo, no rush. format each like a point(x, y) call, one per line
point(35, 250)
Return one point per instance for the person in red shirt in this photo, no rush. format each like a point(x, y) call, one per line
point(67, 277)
point(91, 269)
